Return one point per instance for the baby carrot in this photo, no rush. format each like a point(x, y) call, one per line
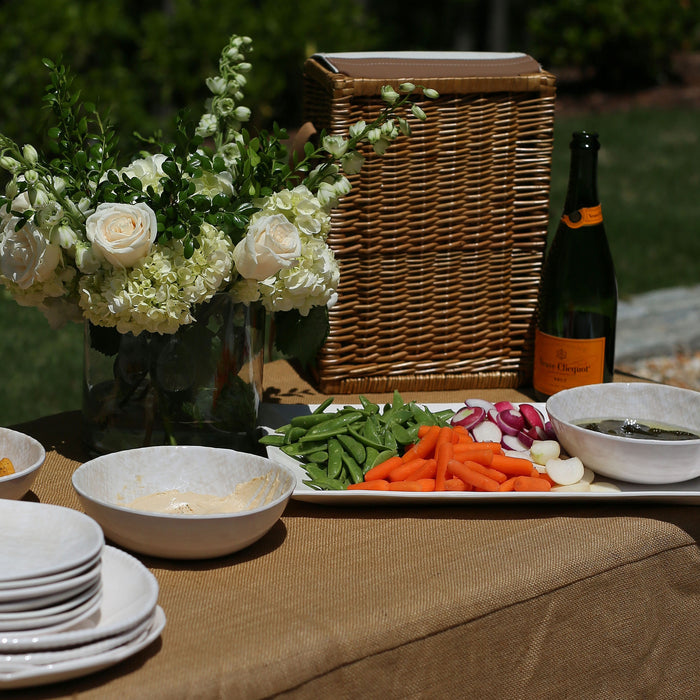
point(494, 447)
point(374, 485)
point(508, 484)
point(443, 454)
point(530, 483)
point(473, 453)
point(405, 469)
point(425, 446)
point(423, 429)
point(455, 484)
point(461, 435)
point(382, 470)
point(419, 485)
point(512, 466)
point(427, 471)
point(494, 474)
point(472, 478)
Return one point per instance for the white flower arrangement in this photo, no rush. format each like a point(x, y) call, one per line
point(138, 248)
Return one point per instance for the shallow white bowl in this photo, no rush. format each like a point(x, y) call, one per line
point(27, 456)
point(108, 483)
point(629, 459)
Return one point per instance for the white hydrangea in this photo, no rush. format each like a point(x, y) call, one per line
point(312, 282)
point(158, 293)
point(149, 170)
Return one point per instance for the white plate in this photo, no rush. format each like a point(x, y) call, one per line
point(46, 539)
point(41, 658)
point(56, 609)
point(129, 596)
point(25, 583)
point(687, 492)
point(34, 597)
point(55, 623)
point(15, 675)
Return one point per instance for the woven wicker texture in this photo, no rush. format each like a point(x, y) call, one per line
point(440, 242)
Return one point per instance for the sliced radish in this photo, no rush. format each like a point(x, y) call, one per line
point(504, 425)
point(532, 416)
point(525, 439)
point(513, 442)
point(492, 415)
point(468, 417)
point(565, 471)
point(549, 430)
point(481, 403)
point(487, 431)
point(513, 418)
point(503, 406)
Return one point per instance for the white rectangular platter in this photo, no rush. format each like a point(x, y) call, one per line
point(275, 415)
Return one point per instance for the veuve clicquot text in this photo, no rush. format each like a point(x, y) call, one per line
point(577, 308)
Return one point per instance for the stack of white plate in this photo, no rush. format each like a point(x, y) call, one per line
point(69, 604)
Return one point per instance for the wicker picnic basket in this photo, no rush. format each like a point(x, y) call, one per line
point(441, 240)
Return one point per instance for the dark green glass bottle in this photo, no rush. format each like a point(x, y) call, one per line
point(577, 309)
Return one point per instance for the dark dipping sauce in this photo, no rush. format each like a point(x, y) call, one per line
point(636, 429)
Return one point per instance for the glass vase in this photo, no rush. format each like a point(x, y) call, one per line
point(199, 386)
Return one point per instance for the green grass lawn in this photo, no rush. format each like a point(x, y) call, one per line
point(649, 186)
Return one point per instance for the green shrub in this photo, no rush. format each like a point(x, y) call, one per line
point(625, 43)
point(141, 63)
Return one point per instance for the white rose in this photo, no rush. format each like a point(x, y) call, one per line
point(122, 233)
point(271, 244)
point(26, 256)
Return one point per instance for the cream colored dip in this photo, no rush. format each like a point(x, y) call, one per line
point(174, 502)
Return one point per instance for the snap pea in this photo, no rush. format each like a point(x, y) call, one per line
point(325, 484)
point(300, 449)
point(401, 434)
point(353, 468)
point(367, 442)
point(275, 439)
point(320, 456)
point(335, 460)
point(353, 447)
point(331, 428)
point(381, 457)
point(368, 406)
point(293, 434)
point(323, 406)
point(309, 420)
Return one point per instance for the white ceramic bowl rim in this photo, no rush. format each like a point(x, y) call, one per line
point(551, 407)
point(33, 442)
point(273, 466)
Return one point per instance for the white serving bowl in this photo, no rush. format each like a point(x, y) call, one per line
point(106, 484)
point(27, 455)
point(636, 460)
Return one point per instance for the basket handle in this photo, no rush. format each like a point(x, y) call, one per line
point(304, 135)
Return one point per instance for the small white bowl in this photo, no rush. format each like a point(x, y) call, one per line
point(107, 484)
point(27, 455)
point(636, 460)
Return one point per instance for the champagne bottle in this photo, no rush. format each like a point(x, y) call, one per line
point(577, 309)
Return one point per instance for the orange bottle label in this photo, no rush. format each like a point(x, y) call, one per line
point(562, 363)
point(588, 216)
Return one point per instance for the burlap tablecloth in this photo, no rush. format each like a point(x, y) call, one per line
point(547, 601)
